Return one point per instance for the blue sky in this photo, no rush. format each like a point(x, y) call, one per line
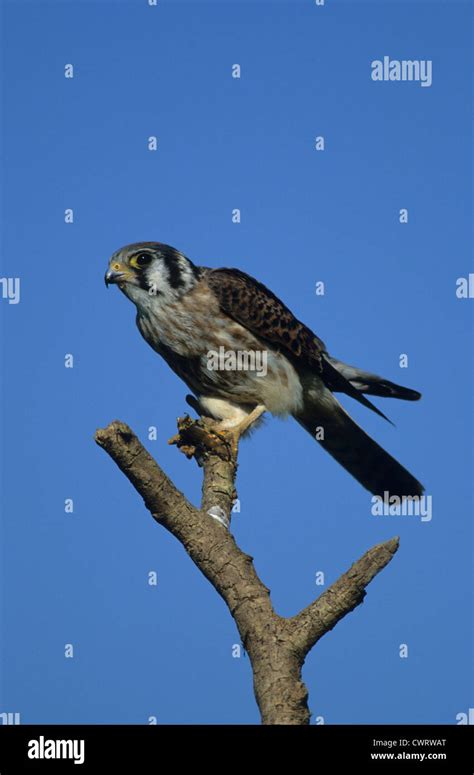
point(306, 216)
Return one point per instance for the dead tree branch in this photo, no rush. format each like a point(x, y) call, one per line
point(276, 646)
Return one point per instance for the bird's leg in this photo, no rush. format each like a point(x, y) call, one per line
point(250, 419)
point(233, 433)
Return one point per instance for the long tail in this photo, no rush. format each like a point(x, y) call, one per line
point(360, 455)
point(372, 384)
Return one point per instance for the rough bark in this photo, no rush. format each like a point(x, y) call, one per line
point(276, 646)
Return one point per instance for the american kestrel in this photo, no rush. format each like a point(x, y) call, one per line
point(242, 352)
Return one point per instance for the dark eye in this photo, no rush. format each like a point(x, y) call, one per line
point(143, 259)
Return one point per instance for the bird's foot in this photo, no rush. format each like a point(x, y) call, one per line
point(196, 438)
point(232, 434)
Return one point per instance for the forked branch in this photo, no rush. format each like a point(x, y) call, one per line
point(276, 646)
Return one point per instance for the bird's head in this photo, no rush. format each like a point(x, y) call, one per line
point(151, 269)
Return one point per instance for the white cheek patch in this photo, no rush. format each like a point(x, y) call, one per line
point(157, 278)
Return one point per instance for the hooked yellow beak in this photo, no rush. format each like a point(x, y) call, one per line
point(116, 273)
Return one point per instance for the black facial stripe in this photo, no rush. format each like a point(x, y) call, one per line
point(178, 275)
point(145, 285)
point(175, 274)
